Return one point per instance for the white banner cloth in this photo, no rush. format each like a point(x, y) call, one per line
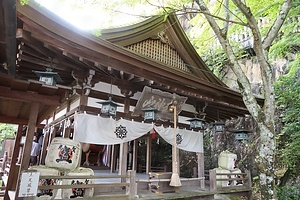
point(98, 130)
point(186, 139)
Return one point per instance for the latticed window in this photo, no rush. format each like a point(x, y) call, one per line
point(162, 52)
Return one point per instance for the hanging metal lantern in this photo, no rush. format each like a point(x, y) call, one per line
point(241, 134)
point(150, 113)
point(48, 77)
point(196, 123)
point(109, 107)
point(219, 126)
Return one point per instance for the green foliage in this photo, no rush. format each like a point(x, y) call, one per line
point(288, 192)
point(96, 32)
point(7, 131)
point(288, 42)
point(188, 161)
point(162, 154)
point(287, 89)
point(24, 2)
point(208, 47)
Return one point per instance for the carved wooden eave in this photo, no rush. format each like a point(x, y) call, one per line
point(167, 30)
point(45, 40)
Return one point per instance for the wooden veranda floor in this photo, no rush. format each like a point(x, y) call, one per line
point(185, 192)
point(192, 191)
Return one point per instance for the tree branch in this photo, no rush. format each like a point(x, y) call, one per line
point(195, 11)
point(198, 11)
point(243, 81)
point(273, 31)
point(262, 58)
point(227, 16)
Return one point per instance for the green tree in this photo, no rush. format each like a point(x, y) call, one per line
point(7, 131)
point(288, 101)
point(217, 21)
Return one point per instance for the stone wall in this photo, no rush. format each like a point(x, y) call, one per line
point(251, 68)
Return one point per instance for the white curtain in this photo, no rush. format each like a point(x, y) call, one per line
point(186, 139)
point(98, 130)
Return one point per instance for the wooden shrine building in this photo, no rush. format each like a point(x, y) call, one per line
point(120, 63)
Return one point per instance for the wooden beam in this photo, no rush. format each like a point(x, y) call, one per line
point(105, 54)
point(153, 71)
point(129, 62)
point(226, 112)
point(46, 113)
point(7, 93)
point(12, 120)
point(33, 43)
point(19, 84)
point(10, 19)
point(32, 52)
point(46, 53)
point(67, 59)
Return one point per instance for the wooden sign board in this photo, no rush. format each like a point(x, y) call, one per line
point(154, 98)
point(29, 183)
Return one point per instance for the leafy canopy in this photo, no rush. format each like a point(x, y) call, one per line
point(288, 101)
point(7, 131)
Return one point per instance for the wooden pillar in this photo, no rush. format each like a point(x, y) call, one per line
point(113, 158)
point(11, 181)
point(201, 169)
point(44, 147)
point(20, 154)
point(28, 142)
point(129, 164)
point(124, 146)
point(67, 128)
point(67, 132)
point(108, 155)
point(148, 154)
point(52, 135)
point(83, 100)
point(135, 152)
point(4, 160)
point(212, 180)
point(123, 160)
point(53, 115)
point(132, 190)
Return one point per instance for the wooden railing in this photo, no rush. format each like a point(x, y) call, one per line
point(232, 180)
point(142, 169)
point(130, 185)
point(158, 182)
